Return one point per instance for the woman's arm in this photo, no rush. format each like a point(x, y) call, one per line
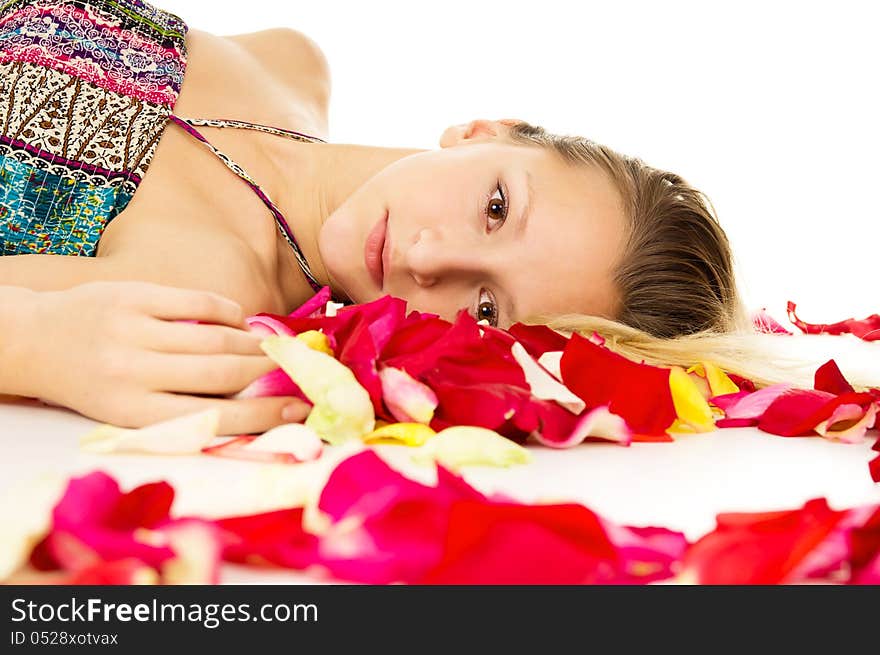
point(17, 316)
point(51, 272)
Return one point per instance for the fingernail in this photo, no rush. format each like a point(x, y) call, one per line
point(291, 413)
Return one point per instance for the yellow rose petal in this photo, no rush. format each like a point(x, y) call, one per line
point(468, 445)
point(316, 341)
point(719, 383)
point(690, 406)
point(341, 407)
point(408, 434)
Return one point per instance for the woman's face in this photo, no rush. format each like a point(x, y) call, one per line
point(546, 241)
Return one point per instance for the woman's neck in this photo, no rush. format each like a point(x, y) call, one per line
point(311, 181)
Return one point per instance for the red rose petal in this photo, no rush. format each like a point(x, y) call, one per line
point(759, 548)
point(798, 411)
point(829, 378)
point(637, 392)
point(524, 544)
point(874, 467)
point(867, 329)
point(145, 506)
point(537, 339)
point(270, 538)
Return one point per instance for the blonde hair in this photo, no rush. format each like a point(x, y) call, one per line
point(675, 277)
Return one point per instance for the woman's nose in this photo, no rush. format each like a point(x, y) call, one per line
point(432, 257)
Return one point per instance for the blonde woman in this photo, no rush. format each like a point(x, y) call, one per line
point(172, 174)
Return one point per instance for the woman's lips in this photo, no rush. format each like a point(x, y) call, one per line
point(373, 251)
point(386, 252)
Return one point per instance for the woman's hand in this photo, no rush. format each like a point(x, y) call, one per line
point(118, 352)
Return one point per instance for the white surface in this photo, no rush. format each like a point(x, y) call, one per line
point(679, 485)
point(769, 107)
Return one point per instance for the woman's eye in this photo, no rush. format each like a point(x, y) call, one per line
point(487, 310)
point(496, 208)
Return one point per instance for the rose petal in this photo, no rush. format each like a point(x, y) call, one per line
point(759, 548)
point(647, 554)
point(293, 438)
point(95, 520)
point(550, 361)
point(274, 383)
point(385, 527)
point(266, 325)
point(763, 322)
point(718, 381)
point(455, 353)
point(638, 393)
point(867, 329)
point(829, 378)
point(471, 446)
point(841, 555)
point(314, 305)
point(277, 382)
point(282, 448)
point(504, 543)
point(275, 538)
point(874, 468)
point(690, 405)
point(596, 423)
point(197, 548)
point(316, 341)
point(749, 405)
point(797, 412)
point(542, 384)
point(538, 339)
point(128, 571)
point(342, 407)
point(855, 420)
point(408, 400)
point(408, 434)
point(178, 436)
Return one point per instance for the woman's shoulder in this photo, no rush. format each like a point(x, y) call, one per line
point(293, 58)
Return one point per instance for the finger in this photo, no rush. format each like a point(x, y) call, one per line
point(208, 374)
point(245, 416)
point(188, 338)
point(172, 303)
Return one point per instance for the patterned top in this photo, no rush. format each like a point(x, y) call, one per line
point(87, 88)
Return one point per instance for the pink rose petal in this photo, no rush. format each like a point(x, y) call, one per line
point(763, 322)
point(598, 423)
point(408, 400)
point(749, 405)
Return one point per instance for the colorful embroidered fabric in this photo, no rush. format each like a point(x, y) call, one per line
point(86, 87)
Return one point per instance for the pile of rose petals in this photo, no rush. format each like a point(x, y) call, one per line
point(531, 382)
point(372, 372)
point(378, 526)
point(525, 382)
point(832, 409)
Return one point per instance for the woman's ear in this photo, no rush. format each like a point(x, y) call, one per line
point(475, 131)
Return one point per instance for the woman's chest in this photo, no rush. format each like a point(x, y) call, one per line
point(187, 190)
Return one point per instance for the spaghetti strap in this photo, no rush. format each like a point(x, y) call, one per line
point(188, 124)
point(231, 122)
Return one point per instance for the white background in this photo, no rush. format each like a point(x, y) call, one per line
point(771, 108)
